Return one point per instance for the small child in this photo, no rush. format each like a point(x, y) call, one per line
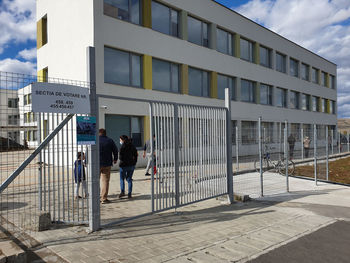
point(79, 175)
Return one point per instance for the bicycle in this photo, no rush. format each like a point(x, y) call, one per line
point(276, 166)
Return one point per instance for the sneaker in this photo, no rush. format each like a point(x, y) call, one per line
point(121, 194)
point(129, 195)
point(106, 201)
point(147, 174)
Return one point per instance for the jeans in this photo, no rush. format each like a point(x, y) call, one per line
point(126, 174)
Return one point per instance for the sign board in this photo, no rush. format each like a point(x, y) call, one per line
point(86, 130)
point(60, 98)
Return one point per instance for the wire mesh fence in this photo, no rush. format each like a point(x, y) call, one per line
point(48, 183)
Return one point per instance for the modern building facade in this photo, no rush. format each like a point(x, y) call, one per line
point(185, 51)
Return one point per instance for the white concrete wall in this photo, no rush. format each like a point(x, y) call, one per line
point(70, 31)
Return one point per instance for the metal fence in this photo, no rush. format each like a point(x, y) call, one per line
point(190, 154)
point(39, 158)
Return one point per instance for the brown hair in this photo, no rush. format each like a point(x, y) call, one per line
point(102, 132)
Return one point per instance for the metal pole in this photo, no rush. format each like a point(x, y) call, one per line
point(332, 133)
point(302, 143)
point(348, 142)
point(94, 160)
point(237, 149)
point(286, 155)
point(41, 164)
point(260, 159)
point(327, 143)
point(315, 153)
point(229, 145)
point(176, 133)
point(152, 152)
point(339, 143)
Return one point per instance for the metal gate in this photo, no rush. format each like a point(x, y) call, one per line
point(37, 166)
point(190, 154)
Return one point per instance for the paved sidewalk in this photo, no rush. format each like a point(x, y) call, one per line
point(211, 231)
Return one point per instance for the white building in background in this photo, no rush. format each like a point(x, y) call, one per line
point(185, 51)
point(9, 117)
point(28, 119)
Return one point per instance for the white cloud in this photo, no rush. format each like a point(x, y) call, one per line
point(28, 54)
point(17, 22)
point(17, 66)
point(315, 25)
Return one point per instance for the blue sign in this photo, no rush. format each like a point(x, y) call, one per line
point(86, 130)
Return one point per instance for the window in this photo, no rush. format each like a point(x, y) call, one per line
point(131, 126)
point(332, 82)
point(247, 91)
point(265, 57)
point(25, 118)
point(280, 62)
point(267, 132)
point(234, 132)
point(223, 83)
point(304, 71)
point(12, 103)
point(35, 135)
point(25, 99)
point(305, 102)
point(198, 82)
point(13, 119)
point(324, 105)
point(293, 67)
point(127, 10)
point(198, 32)
point(323, 79)
point(165, 19)
point(332, 107)
point(295, 130)
point(294, 100)
point(246, 50)
point(122, 68)
point(165, 76)
point(314, 103)
point(224, 42)
point(249, 132)
point(42, 32)
point(307, 130)
point(314, 75)
point(281, 97)
point(29, 98)
point(265, 94)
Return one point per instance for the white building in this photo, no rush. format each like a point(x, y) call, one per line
point(184, 51)
point(9, 118)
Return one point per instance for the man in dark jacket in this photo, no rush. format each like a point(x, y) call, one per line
point(127, 162)
point(108, 156)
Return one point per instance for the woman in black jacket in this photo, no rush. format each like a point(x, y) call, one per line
point(127, 161)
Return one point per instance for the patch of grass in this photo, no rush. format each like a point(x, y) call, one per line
point(339, 170)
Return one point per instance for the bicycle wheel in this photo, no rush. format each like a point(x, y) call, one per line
point(265, 165)
point(282, 167)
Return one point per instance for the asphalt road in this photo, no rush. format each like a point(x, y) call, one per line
point(330, 244)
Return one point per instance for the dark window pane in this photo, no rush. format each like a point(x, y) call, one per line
point(247, 91)
point(161, 75)
point(194, 31)
point(222, 84)
point(246, 50)
point(136, 70)
point(205, 84)
point(175, 77)
point(280, 63)
point(174, 23)
point(135, 11)
point(160, 18)
point(116, 67)
point(194, 82)
point(222, 43)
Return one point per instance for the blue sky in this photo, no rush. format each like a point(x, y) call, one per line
point(323, 26)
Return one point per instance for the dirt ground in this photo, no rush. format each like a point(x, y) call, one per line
point(339, 171)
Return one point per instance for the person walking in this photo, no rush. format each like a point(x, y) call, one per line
point(127, 161)
point(147, 152)
point(306, 146)
point(291, 142)
point(108, 157)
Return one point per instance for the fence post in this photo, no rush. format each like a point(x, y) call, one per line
point(339, 143)
point(302, 143)
point(286, 154)
point(229, 145)
point(237, 149)
point(176, 133)
point(327, 145)
point(41, 164)
point(332, 133)
point(315, 153)
point(260, 159)
point(151, 126)
point(348, 142)
point(280, 139)
point(94, 162)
